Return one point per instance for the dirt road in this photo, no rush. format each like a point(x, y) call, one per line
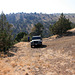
point(55, 57)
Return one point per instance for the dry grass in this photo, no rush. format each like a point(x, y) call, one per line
point(58, 58)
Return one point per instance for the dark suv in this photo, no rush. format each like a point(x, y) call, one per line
point(36, 41)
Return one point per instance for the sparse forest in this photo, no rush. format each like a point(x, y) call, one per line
point(24, 22)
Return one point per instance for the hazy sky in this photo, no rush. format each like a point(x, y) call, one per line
point(44, 6)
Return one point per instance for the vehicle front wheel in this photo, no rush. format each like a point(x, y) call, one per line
point(31, 46)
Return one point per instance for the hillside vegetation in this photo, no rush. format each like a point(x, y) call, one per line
point(24, 22)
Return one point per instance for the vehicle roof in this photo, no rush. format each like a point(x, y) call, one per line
point(36, 36)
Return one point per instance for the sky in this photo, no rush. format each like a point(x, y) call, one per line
point(39, 6)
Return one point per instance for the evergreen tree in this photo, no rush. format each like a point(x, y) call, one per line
point(37, 29)
point(61, 26)
point(5, 33)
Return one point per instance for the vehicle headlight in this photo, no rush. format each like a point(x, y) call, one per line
point(32, 42)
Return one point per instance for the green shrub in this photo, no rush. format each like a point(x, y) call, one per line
point(20, 36)
point(25, 38)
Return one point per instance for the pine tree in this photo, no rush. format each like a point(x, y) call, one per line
point(61, 26)
point(5, 33)
point(37, 29)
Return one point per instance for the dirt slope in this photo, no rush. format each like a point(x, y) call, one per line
point(55, 57)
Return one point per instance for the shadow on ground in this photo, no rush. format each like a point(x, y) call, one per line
point(6, 54)
point(13, 49)
point(70, 34)
point(43, 46)
point(9, 53)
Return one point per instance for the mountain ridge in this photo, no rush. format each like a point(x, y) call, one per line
point(24, 22)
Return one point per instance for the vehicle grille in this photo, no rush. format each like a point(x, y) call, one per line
point(35, 41)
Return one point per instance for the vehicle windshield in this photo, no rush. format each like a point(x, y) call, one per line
point(33, 38)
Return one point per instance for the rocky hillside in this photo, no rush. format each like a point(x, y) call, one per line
point(25, 21)
point(55, 57)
